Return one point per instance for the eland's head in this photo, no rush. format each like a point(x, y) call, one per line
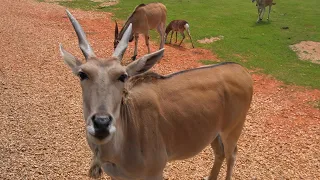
point(102, 82)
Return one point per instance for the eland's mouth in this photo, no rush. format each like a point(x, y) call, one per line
point(100, 133)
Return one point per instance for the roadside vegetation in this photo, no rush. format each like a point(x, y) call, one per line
point(263, 47)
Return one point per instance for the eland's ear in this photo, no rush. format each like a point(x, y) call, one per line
point(145, 63)
point(70, 60)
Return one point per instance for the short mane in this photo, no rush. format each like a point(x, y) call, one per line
point(202, 67)
point(146, 77)
point(151, 76)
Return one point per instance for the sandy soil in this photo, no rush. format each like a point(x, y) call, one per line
point(210, 40)
point(308, 51)
point(42, 130)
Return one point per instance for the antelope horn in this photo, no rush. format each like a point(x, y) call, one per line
point(116, 31)
point(123, 44)
point(83, 42)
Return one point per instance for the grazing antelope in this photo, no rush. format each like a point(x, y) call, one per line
point(261, 5)
point(144, 17)
point(136, 120)
point(178, 26)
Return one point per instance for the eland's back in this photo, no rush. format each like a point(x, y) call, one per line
point(153, 15)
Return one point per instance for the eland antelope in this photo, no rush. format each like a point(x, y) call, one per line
point(178, 26)
point(144, 17)
point(261, 5)
point(136, 120)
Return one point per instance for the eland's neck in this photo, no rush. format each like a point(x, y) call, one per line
point(125, 137)
point(124, 28)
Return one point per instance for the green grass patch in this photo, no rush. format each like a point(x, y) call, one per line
point(81, 4)
point(262, 46)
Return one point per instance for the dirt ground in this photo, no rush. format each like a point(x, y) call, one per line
point(42, 133)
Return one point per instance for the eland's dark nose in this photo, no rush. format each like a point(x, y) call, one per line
point(101, 124)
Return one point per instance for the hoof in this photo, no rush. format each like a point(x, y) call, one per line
point(133, 57)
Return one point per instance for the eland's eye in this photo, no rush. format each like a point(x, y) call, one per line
point(83, 76)
point(123, 77)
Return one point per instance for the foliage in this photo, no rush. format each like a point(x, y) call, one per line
point(81, 4)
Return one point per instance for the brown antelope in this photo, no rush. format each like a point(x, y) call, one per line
point(261, 5)
point(178, 26)
point(136, 120)
point(144, 17)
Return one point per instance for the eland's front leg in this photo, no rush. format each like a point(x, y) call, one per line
point(259, 13)
point(262, 13)
point(171, 37)
point(188, 32)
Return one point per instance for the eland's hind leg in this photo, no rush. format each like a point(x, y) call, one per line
point(183, 36)
point(219, 156)
point(229, 140)
point(136, 39)
point(231, 159)
point(269, 12)
point(161, 30)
